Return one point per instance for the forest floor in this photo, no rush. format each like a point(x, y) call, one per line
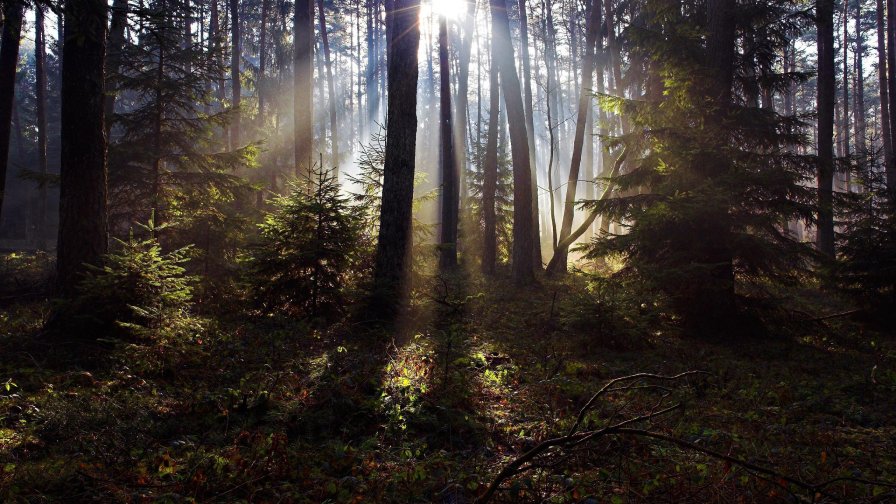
point(266, 410)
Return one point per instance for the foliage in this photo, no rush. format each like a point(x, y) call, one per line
point(503, 200)
point(140, 292)
point(708, 190)
point(310, 250)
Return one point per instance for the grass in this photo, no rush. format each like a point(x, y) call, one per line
point(267, 410)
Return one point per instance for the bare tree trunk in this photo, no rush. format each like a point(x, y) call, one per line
point(846, 129)
point(861, 147)
point(235, 55)
point(113, 56)
point(530, 125)
point(83, 218)
point(559, 261)
point(886, 132)
point(448, 161)
point(490, 171)
point(396, 236)
point(13, 13)
point(826, 103)
point(40, 95)
point(303, 87)
point(331, 86)
point(262, 61)
point(523, 259)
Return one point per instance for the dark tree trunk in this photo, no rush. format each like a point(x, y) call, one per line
point(559, 260)
point(40, 96)
point(447, 159)
point(331, 86)
point(235, 54)
point(891, 87)
point(113, 57)
point(523, 257)
point(845, 127)
point(303, 63)
point(861, 147)
point(530, 126)
point(396, 236)
point(490, 173)
point(263, 61)
point(373, 99)
point(13, 12)
point(882, 72)
point(826, 103)
point(83, 220)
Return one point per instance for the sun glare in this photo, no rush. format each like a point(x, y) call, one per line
point(451, 9)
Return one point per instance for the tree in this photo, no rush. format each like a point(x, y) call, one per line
point(83, 218)
point(447, 159)
point(530, 125)
point(395, 237)
point(490, 171)
point(40, 97)
point(13, 13)
point(331, 87)
point(886, 133)
point(523, 257)
point(235, 75)
point(303, 64)
point(826, 98)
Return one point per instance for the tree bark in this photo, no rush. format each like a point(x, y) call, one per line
point(826, 97)
point(331, 87)
point(448, 161)
point(559, 263)
point(530, 126)
point(235, 55)
point(83, 219)
point(13, 13)
point(523, 257)
point(303, 88)
point(113, 58)
point(263, 60)
point(861, 147)
point(396, 236)
point(40, 96)
point(490, 172)
point(886, 132)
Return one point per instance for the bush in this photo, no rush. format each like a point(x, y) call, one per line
point(140, 292)
point(309, 250)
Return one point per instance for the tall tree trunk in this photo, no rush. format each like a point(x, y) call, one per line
point(530, 126)
point(13, 12)
point(846, 129)
point(235, 55)
point(40, 97)
point(113, 56)
point(861, 147)
point(396, 236)
point(882, 72)
point(331, 87)
point(826, 97)
point(303, 87)
point(490, 172)
point(891, 85)
point(523, 258)
point(373, 101)
point(462, 129)
point(559, 260)
point(83, 218)
point(263, 61)
point(447, 160)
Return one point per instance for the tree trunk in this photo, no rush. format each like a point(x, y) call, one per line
point(861, 147)
point(13, 12)
point(448, 161)
point(846, 129)
point(113, 57)
point(83, 219)
point(559, 261)
point(530, 126)
point(490, 172)
point(303, 88)
point(886, 133)
point(331, 87)
point(396, 235)
point(235, 55)
point(891, 85)
point(262, 61)
point(40, 97)
point(523, 258)
point(826, 102)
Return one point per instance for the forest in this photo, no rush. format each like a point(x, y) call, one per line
point(448, 251)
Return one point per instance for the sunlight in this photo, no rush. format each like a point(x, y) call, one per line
point(451, 9)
